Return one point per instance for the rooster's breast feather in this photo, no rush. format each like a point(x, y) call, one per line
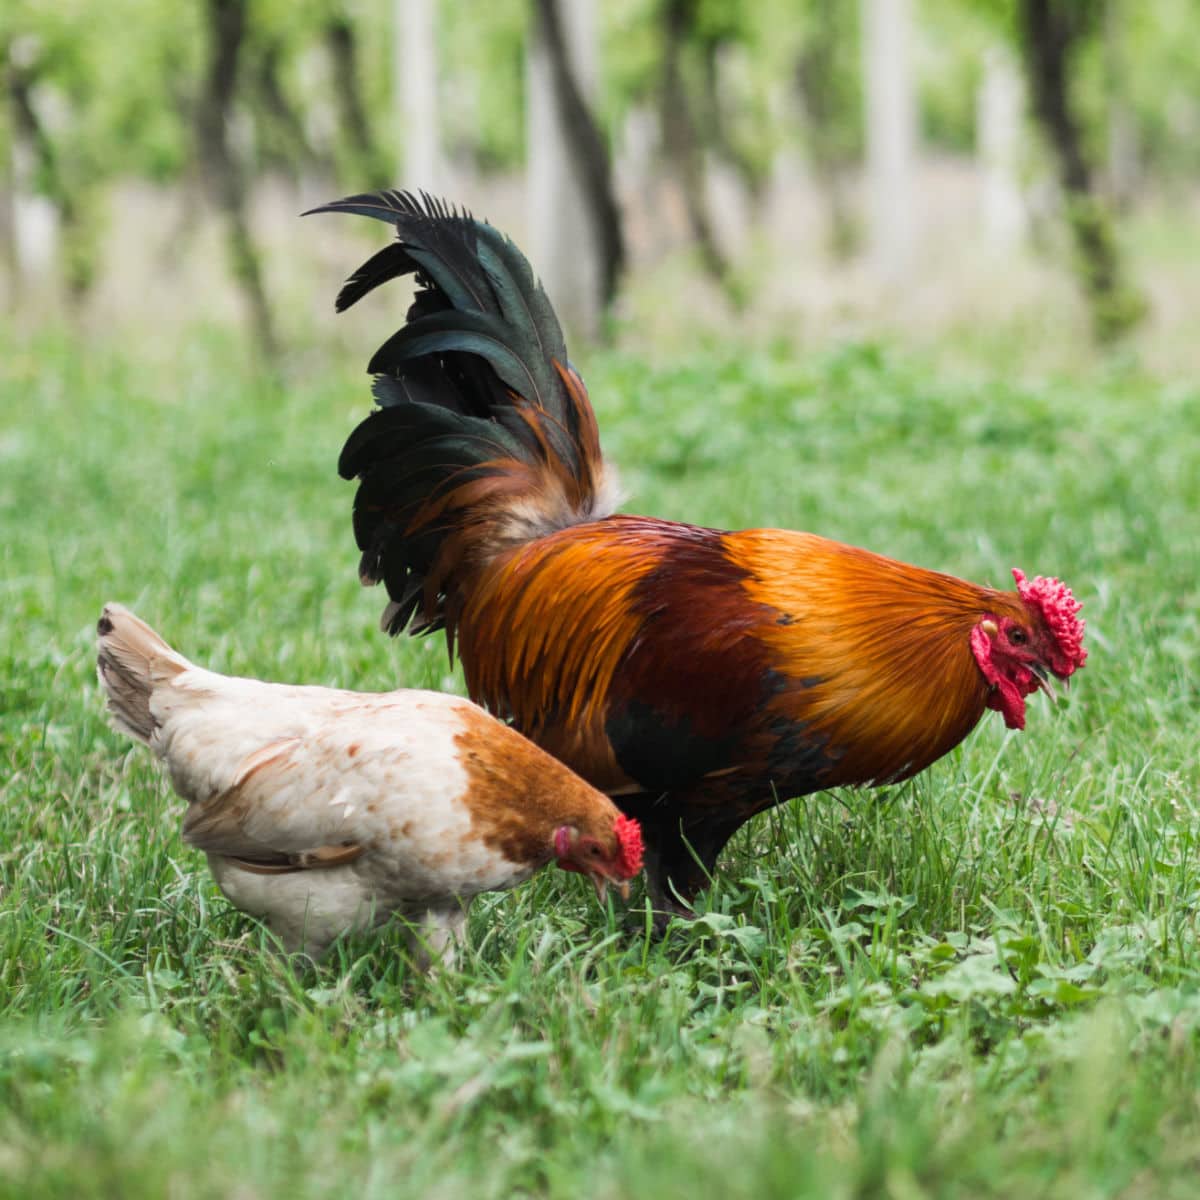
point(633, 649)
point(654, 656)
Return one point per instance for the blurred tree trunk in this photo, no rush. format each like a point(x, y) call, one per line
point(223, 176)
point(575, 222)
point(341, 41)
point(76, 224)
point(415, 79)
point(821, 68)
point(288, 149)
point(891, 117)
point(1050, 30)
point(1123, 151)
point(999, 123)
point(10, 182)
point(716, 120)
point(8, 226)
point(681, 136)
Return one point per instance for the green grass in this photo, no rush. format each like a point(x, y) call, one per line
point(984, 983)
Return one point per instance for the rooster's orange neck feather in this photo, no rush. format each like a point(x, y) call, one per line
point(882, 648)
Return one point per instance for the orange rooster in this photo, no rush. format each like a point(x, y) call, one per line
point(698, 676)
point(323, 811)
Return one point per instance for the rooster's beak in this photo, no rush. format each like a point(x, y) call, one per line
point(1048, 682)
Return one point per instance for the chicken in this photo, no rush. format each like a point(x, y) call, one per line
point(324, 811)
point(698, 676)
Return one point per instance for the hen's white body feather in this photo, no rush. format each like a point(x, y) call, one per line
point(289, 769)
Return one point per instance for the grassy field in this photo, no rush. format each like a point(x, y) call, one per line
point(983, 983)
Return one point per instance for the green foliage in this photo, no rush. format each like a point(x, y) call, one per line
point(118, 80)
point(116, 86)
point(980, 984)
point(1159, 78)
point(483, 92)
point(1136, 56)
point(1117, 306)
point(108, 82)
point(951, 42)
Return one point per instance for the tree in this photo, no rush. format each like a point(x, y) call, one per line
point(576, 226)
point(280, 137)
point(828, 81)
point(60, 167)
point(223, 174)
point(1000, 122)
point(1051, 33)
point(682, 140)
point(360, 145)
point(891, 134)
point(415, 78)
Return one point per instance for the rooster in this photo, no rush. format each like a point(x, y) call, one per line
point(697, 676)
point(325, 811)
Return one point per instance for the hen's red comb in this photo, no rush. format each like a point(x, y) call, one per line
point(629, 846)
point(1059, 610)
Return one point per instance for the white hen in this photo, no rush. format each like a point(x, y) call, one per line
point(323, 811)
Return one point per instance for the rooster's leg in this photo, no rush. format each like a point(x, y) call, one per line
point(681, 855)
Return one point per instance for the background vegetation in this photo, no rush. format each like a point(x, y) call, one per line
point(737, 135)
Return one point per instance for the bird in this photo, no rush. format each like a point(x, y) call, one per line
point(697, 676)
point(324, 811)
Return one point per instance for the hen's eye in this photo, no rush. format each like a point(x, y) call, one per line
point(1017, 637)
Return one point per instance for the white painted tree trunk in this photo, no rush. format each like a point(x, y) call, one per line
point(1123, 166)
point(999, 123)
point(1124, 153)
point(891, 135)
point(8, 229)
point(562, 242)
point(414, 83)
point(35, 227)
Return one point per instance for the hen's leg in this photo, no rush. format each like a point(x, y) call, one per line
point(437, 933)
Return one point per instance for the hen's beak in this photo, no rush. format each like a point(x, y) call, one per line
point(601, 882)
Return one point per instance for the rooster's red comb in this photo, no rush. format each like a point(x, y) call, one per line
point(1060, 611)
point(629, 846)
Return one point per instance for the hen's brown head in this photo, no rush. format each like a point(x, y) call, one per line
point(613, 856)
point(1020, 654)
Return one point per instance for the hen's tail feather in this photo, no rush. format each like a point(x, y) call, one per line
point(485, 436)
point(131, 660)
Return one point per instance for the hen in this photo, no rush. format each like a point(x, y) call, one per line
point(696, 675)
point(325, 811)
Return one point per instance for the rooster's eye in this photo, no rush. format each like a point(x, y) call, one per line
point(1017, 637)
